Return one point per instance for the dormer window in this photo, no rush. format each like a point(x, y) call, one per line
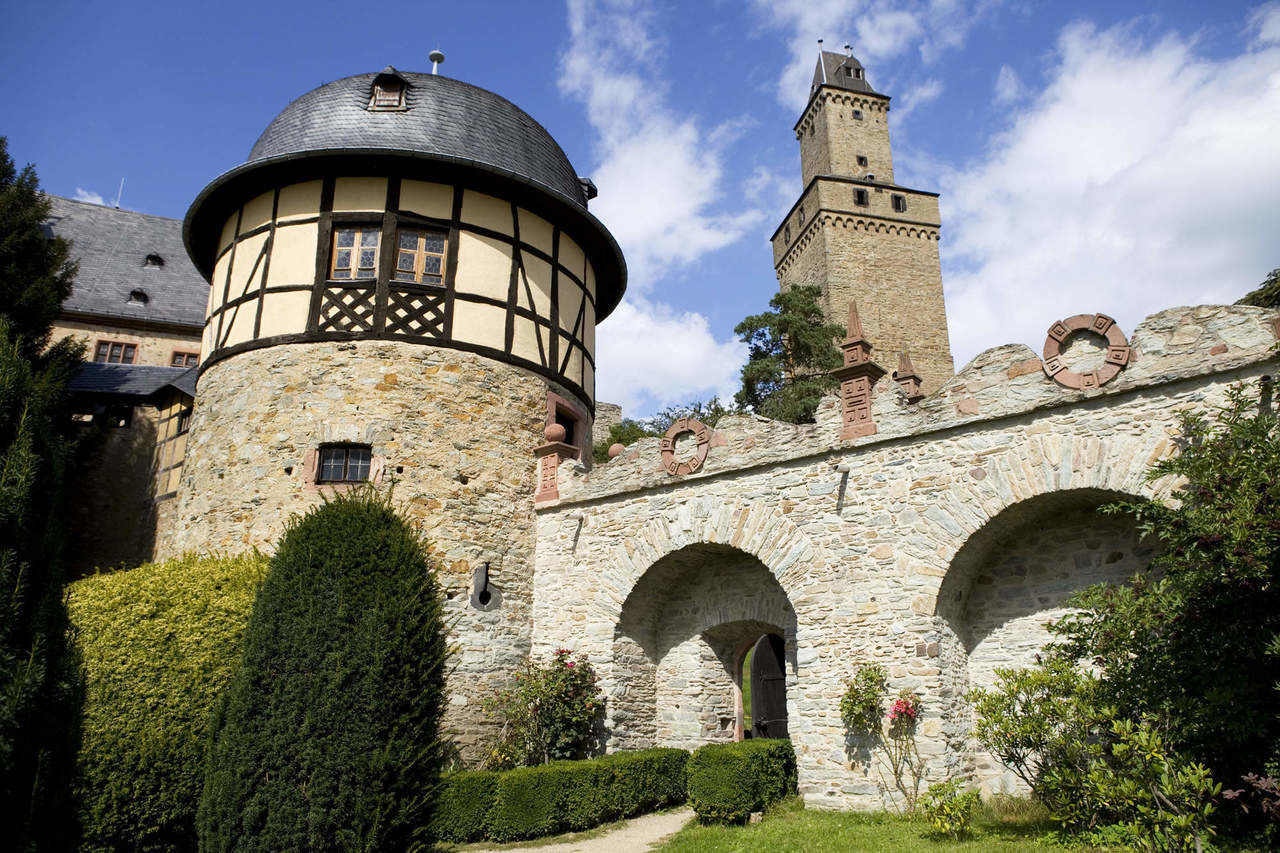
point(138, 296)
point(388, 91)
point(153, 260)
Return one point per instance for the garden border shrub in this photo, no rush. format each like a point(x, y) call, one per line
point(157, 644)
point(729, 781)
point(531, 802)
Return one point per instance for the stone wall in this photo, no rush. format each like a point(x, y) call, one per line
point(456, 433)
point(112, 514)
point(831, 138)
point(859, 535)
point(155, 348)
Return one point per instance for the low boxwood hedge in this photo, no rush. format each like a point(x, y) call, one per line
point(729, 781)
point(157, 644)
point(530, 802)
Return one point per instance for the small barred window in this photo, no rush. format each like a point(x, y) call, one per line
point(420, 256)
point(860, 198)
point(900, 203)
point(344, 463)
point(355, 252)
point(115, 352)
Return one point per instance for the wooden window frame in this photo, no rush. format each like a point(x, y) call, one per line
point(420, 254)
point(187, 355)
point(360, 229)
point(861, 198)
point(125, 346)
point(346, 479)
point(899, 202)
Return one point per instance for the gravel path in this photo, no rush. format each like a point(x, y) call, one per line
point(641, 833)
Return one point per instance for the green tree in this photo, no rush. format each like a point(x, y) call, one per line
point(1266, 295)
point(630, 430)
point(327, 737)
point(1189, 650)
point(790, 351)
point(38, 681)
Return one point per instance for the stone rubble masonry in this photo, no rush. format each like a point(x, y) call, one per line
point(608, 415)
point(457, 432)
point(832, 139)
point(957, 531)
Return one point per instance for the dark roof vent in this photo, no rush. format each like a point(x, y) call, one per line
point(388, 91)
point(138, 296)
point(588, 188)
point(153, 260)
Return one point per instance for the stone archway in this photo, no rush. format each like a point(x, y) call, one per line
point(1007, 582)
point(677, 646)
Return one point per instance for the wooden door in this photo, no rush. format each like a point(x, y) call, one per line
point(769, 688)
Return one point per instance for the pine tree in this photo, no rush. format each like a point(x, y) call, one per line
point(790, 348)
point(38, 683)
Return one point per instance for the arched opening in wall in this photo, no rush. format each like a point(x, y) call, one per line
point(1006, 583)
point(680, 643)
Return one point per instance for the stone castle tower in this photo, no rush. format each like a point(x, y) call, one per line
point(858, 234)
point(405, 286)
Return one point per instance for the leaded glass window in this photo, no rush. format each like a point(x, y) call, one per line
point(420, 256)
point(343, 463)
point(355, 252)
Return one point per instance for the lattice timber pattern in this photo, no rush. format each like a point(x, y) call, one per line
point(411, 312)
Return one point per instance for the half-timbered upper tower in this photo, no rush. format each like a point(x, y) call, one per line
point(404, 286)
point(857, 233)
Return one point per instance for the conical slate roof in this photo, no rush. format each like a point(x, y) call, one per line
point(442, 117)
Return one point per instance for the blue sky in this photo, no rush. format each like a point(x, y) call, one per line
point(1093, 156)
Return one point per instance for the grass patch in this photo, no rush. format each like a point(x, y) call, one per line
point(789, 827)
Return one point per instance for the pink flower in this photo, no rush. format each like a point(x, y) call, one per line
point(569, 665)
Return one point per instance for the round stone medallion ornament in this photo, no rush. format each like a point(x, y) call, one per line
point(1117, 351)
point(702, 435)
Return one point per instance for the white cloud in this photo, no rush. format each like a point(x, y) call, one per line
point(650, 356)
point(89, 196)
point(918, 96)
point(661, 175)
point(1265, 22)
point(886, 33)
point(663, 193)
point(1144, 176)
point(1008, 86)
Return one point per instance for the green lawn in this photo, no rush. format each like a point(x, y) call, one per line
point(791, 828)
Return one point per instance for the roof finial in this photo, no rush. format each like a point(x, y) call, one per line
point(822, 64)
point(436, 57)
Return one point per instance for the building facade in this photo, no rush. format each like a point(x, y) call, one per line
point(404, 286)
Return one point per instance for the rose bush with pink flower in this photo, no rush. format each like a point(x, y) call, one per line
point(549, 713)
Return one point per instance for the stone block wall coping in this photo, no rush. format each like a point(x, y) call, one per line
point(1166, 347)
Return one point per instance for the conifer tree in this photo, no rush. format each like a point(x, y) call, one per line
point(37, 681)
point(791, 349)
point(327, 736)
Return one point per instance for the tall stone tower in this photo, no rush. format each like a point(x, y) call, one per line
point(857, 233)
point(404, 288)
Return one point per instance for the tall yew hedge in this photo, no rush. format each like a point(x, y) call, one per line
point(327, 736)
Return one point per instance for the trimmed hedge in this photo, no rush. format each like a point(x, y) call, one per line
point(563, 796)
point(729, 781)
point(157, 644)
point(327, 737)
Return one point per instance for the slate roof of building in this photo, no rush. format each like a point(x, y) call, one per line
point(112, 246)
point(132, 380)
point(444, 117)
point(834, 65)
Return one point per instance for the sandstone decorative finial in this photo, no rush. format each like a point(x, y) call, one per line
point(554, 432)
point(853, 331)
point(907, 377)
point(615, 450)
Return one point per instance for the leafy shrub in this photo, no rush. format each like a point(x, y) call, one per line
point(157, 644)
point(549, 714)
point(949, 808)
point(462, 807)
point(529, 802)
point(327, 737)
point(860, 704)
point(1033, 719)
point(729, 781)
